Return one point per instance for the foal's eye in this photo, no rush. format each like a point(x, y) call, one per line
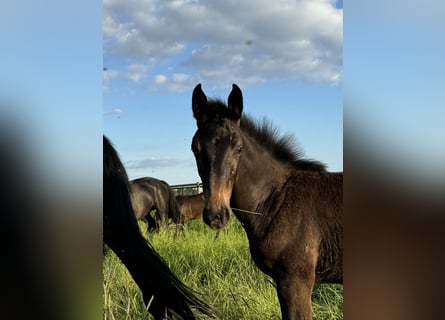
point(239, 149)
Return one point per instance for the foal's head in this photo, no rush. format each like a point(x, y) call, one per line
point(217, 146)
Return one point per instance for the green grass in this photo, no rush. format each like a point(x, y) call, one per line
point(220, 269)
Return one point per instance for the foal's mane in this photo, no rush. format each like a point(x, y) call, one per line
point(282, 147)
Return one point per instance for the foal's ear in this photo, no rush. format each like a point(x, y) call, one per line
point(235, 103)
point(199, 102)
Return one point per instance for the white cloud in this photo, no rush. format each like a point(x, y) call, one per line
point(160, 79)
point(136, 71)
point(250, 41)
point(177, 83)
point(155, 162)
point(181, 82)
point(180, 77)
point(114, 112)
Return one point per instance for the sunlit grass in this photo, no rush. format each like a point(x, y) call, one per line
point(219, 269)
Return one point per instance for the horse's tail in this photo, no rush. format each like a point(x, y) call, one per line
point(164, 294)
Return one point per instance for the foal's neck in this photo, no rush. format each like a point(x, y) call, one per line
point(259, 175)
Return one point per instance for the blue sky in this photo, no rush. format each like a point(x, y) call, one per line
point(286, 56)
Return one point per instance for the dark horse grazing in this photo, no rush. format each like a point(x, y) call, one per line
point(290, 208)
point(190, 206)
point(150, 193)
point(164, 294)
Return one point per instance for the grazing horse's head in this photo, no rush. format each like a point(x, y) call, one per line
point(217, 146)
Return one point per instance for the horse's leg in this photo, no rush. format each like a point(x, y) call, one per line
point(151, 223)
point(294, 294)
point(160, 217)
point(154, 221)
point(181, 227)
point(185, 221)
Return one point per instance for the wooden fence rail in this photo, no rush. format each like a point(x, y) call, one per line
point(188, 188)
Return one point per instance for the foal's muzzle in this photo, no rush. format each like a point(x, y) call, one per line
point(216, 220)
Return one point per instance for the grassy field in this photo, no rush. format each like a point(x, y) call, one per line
point(220, 269)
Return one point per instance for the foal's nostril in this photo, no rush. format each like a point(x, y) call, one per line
point(216, 220)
